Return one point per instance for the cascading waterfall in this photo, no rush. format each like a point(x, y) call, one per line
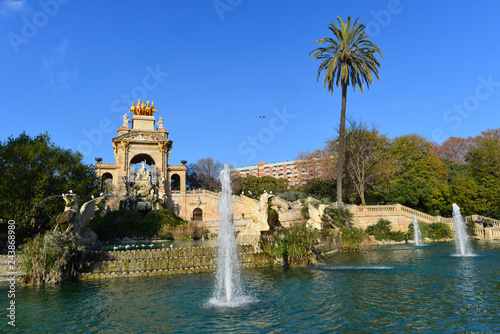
point(228, 290)
point(417, 234)
point(462, 243)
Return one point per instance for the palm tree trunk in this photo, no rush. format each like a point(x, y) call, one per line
point(340, 159)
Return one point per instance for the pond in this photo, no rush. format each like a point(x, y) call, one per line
point(397, 289)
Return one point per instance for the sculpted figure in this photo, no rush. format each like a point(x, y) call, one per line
point(160, 123)
point(125, 120)
point(132, 109)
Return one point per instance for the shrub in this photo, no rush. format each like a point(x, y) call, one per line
point(123, 223)
point(352, 238)
point(294, 244)
point(49, 258)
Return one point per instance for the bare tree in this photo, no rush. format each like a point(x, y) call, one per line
point(367, 158)
point(319, 164)
point(206, 172)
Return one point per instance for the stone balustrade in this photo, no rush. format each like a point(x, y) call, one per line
point(165, 261)
point(401, 216)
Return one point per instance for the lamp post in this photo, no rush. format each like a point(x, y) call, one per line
point(98, 167)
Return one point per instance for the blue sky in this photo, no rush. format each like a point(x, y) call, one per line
point(72, 68)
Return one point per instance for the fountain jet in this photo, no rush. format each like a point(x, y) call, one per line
point(417, 234)
point(227, 286)
point(462, 243)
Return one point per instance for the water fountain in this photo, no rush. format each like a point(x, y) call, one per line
point(462, 243)
point(228, 290)
point(417, 234)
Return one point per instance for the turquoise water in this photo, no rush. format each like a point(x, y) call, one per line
point(399, 289)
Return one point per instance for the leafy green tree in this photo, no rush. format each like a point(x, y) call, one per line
point(34, 168)
point(254, 186)
point(349, 58)
point(319, 188)
point(420, 174)
point(484, 163)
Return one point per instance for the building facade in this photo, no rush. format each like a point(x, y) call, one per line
point(290, 170)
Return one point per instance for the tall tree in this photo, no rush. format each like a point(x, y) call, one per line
point(421, 173)
point(367, 159)
point(349, 58)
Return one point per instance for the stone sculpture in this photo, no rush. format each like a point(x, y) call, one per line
point(74, 223)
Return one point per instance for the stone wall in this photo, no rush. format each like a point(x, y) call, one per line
point(165, 261)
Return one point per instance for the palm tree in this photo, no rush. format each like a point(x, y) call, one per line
point(348, 59)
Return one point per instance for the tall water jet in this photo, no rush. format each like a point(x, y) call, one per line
point(462, 243)
point(417, 234)
point(227, 286)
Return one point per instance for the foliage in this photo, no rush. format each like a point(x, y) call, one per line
point(420, 174)
point(340, 216)
point(434, 231)
point(295, 244)
point(367, 159)
point(319, 188)
point(381, 226)
point(348, 59)
point(470, 227)
point(273, 219)
point(254, 186)
point(122, 223)
point(49, 258)
point(382, 231)
point(34, 168)
point(352, 238)
point(304, 211)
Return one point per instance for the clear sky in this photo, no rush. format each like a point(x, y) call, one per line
point(72, 68)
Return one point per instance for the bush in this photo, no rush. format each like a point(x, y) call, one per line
point(49, 258)
point(434, 231)
point(340, 216)
point(294, 244)
point(352, 238)
point(122, 223)
point(382, 231)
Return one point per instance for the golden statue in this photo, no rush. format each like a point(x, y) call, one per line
point(143, 108)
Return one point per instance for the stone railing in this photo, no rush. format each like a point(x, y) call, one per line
point(401, 215)
point(165, 261)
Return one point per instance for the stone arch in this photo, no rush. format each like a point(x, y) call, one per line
point(135, 163)
point(107, 182)
point(175, 182)
point(198, 214)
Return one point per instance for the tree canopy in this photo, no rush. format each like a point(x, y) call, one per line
point(33, 169)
